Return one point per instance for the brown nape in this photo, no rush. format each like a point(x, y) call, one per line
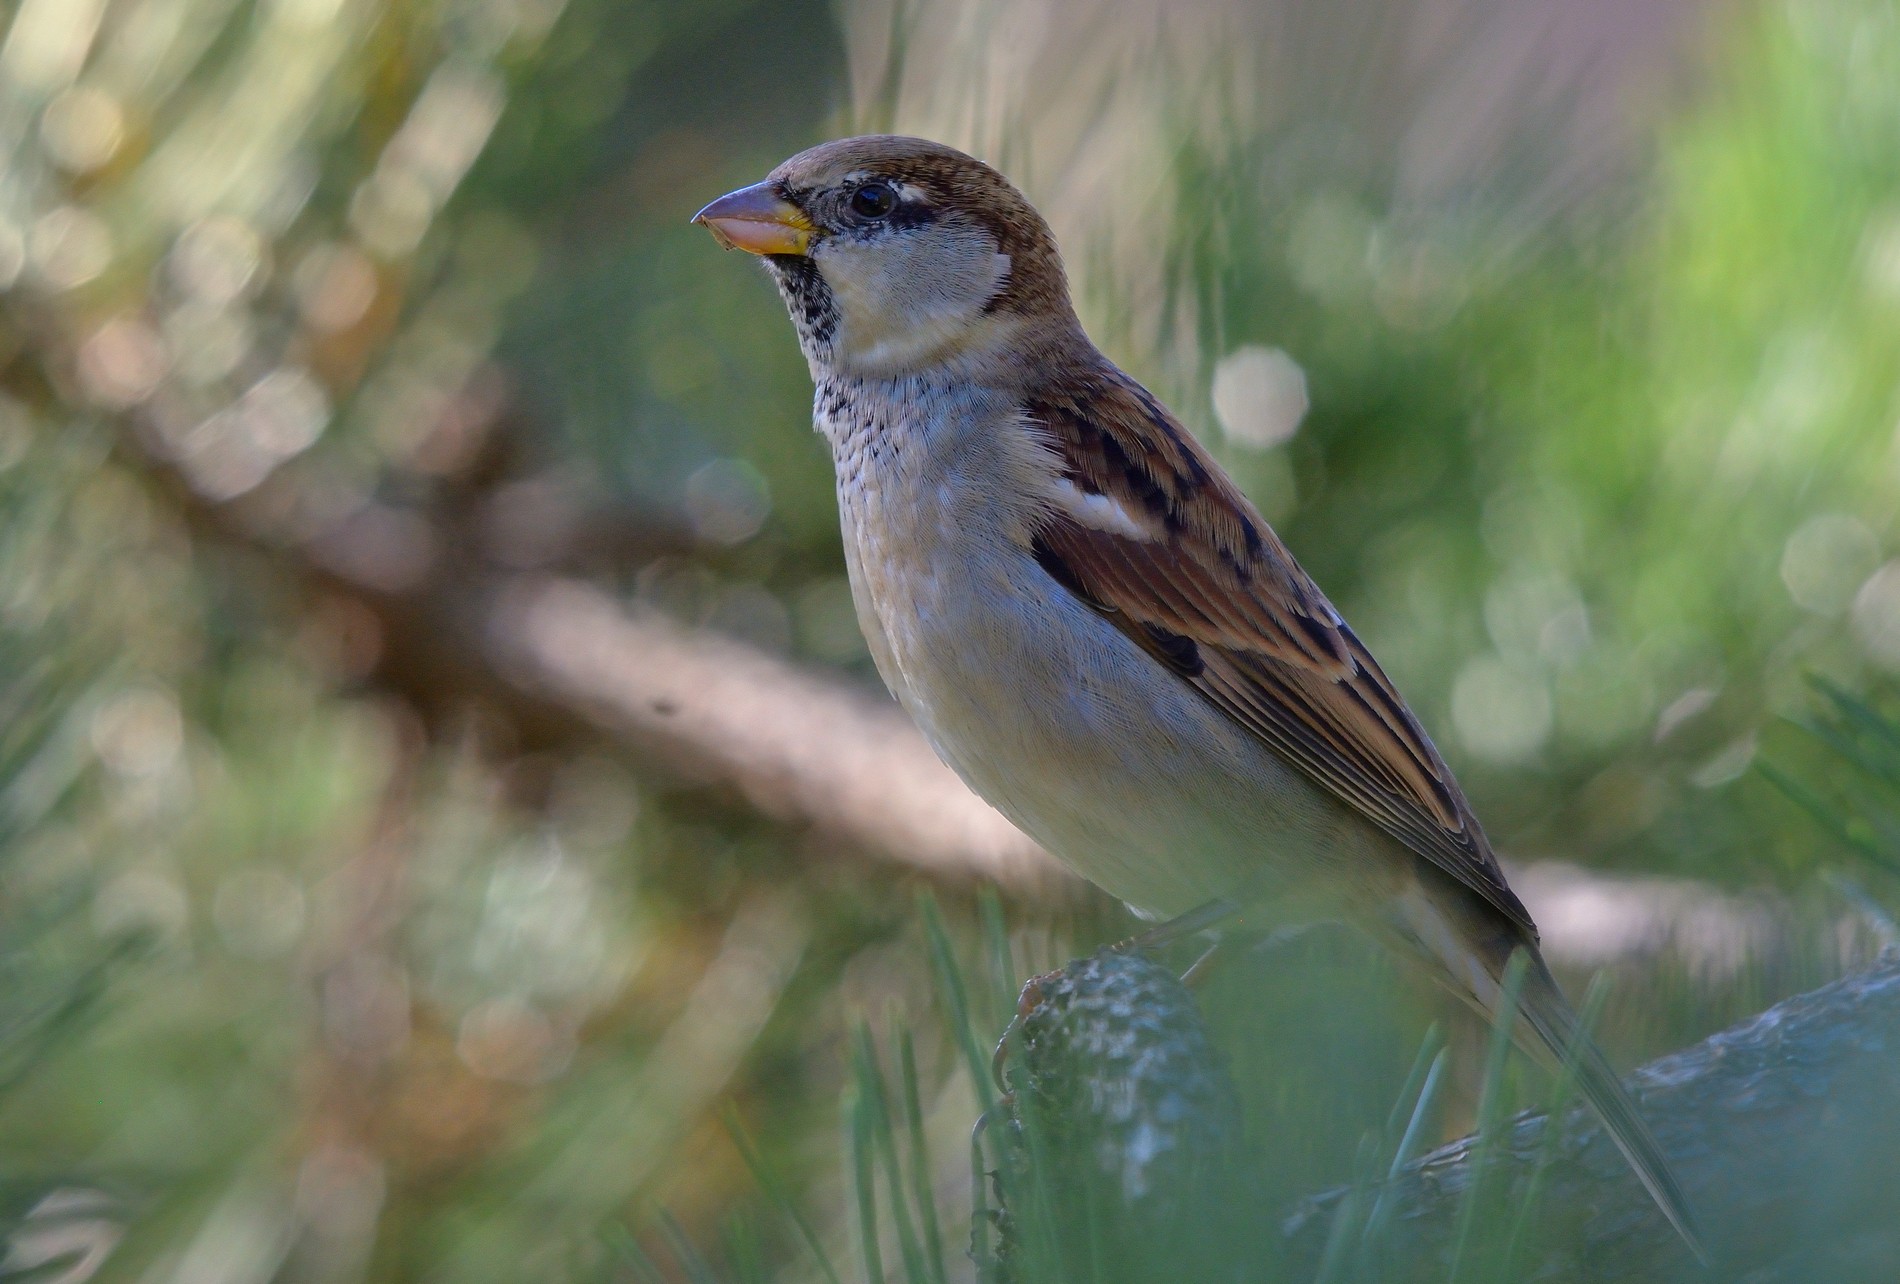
point(957, 183)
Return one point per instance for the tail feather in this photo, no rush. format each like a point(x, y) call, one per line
point(1561, 1043)
point(1473, 947)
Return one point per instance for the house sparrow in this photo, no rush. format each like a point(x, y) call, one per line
point(1090, 622)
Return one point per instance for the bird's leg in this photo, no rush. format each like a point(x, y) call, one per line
point(1280, 937)
point(1198, 970)
point(1277, 939)
point(1199, 919)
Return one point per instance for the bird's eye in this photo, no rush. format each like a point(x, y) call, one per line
point(873, 200)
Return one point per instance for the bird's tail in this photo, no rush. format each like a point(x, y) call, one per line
point(1558, 1039)
point(1478, 959)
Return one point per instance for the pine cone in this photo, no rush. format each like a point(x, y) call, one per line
point(1119, 1143)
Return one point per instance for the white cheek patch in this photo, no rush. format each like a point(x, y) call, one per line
point(907, 297)
point(1098, 512)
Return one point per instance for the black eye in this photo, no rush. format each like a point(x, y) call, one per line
point(873, 200)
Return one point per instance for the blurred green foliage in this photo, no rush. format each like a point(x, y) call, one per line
point(317, 970)
point(1601, 492)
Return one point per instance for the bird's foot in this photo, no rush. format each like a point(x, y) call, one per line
point(1161, 935)
point(1200, 969)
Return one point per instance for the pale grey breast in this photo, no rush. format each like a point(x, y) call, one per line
point(1047, 710)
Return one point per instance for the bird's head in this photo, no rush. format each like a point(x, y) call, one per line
point(896, 255)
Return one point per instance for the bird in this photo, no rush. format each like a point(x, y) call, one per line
point(1090, 622)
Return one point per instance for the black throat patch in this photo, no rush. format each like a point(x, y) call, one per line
point(814, 310)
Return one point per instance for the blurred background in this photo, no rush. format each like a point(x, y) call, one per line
point(440, 776)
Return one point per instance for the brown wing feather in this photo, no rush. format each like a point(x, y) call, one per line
point(1217, 597)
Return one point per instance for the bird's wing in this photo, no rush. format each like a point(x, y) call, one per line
point(1149, 531)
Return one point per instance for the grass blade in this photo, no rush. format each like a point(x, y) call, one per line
point(626, 1249)
point(742, 1251)
point(1862, 715)
point(923, 1190)
point(1829, 818)
point(1006, 981)
point(1491, 1112)
point(1405, 1105)
point(1340, 1237)
point(1850, 749)
point(875, 1098)
point(1403, 1153)
point(1562, 1088)
point(697, 1268)
point(956, 1000)
point(863, 1186)
point(774, 1191)
point(1871, 911)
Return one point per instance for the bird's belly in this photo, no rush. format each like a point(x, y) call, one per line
point(1109, 760)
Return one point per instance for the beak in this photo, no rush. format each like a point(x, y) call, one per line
point(757, 220)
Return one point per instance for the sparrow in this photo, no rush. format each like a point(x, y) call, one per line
point(1089, 621)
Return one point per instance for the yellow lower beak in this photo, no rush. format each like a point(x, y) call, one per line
point(757, 220)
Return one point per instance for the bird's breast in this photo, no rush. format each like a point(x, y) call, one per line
point(934, 544)
point(982, 647)
point(1044, 707)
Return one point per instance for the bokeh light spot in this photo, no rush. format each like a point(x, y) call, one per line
point(122, 363)
point(48, 40)
point(141, 900)
point(391, 211)
point(1531, 614)
point(69, 247)
point(335, 286)
point(82, 129)
point(727, 501)
point(1502, 712)
point(138, 732)
point(1826, 561)
point(210, 342)
point(1259, 396)
point(1877, 616)
point(217, 259)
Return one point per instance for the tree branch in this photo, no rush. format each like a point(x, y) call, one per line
point(802, 748)
point(1785, 1131)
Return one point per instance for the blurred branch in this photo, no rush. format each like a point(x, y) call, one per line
point(1783, 1129)
point(565, 662)
point(1592, 918)
point(801, 748)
